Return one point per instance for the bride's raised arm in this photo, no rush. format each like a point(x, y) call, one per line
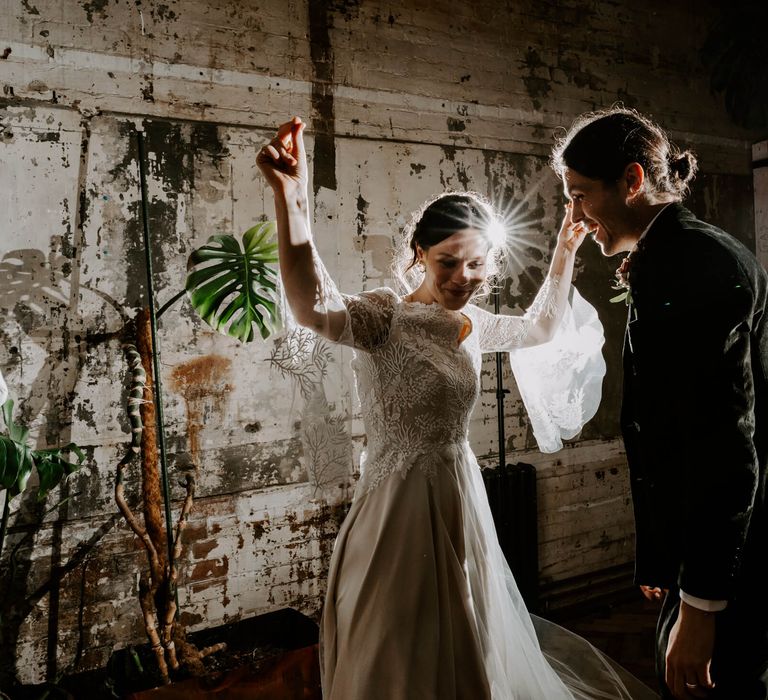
point(361, 320)
point(284, 165)
point(538, 325)
point(555, 348)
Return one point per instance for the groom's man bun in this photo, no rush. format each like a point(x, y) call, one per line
point(601, 144)
point(682, 169)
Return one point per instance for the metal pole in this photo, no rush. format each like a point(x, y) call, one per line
point(159, 421)
point(500, 391)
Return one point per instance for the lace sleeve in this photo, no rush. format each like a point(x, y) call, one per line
point(499, 333)
point(556, 356)
point(561, 381)
point(361, 321)
point(369, 317)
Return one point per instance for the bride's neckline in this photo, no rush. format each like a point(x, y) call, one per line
point(466, 322)
point(406, 300)
point(432, 305)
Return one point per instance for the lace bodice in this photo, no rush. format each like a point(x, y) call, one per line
point(417, 380)
point(417, 368)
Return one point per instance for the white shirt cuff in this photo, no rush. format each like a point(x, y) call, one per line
point(703, 603)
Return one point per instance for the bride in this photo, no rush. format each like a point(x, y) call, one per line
point(421, 604)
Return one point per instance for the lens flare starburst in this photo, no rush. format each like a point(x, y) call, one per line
point(515, 231)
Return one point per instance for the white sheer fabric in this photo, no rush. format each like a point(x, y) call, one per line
point(555, 351)
point(3, 390)
point(561, 381)
point(421, 603)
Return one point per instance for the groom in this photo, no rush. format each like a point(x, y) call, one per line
point(695, 407)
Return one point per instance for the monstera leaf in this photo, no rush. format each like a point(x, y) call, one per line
point(17, 460)
point(234, 288)
point(52, 467)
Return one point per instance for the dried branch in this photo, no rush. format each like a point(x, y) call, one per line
point(150, 624)
point(157, 589)
point(130, 517)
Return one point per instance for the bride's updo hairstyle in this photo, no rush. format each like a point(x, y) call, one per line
point(437, 219)
point(600, 145)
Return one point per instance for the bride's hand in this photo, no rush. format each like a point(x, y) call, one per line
point(572, 234)
point(653, 593)
point(283, 160)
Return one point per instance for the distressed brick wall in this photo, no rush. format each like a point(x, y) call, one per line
point(404, 99)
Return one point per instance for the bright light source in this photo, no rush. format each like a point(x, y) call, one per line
point(496, 232)
point(515, 229)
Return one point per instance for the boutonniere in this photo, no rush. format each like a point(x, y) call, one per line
point(622, 281)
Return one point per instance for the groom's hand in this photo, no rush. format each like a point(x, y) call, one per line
point(689, 653)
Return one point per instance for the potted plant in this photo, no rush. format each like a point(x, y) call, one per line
point(233, 288)
point(18, 460)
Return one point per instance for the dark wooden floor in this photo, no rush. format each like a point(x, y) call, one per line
point(623, 629)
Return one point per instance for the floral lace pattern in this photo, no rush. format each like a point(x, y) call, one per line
point(500, 333)
point(560, 381)
point(416, 381)
point(417, 368)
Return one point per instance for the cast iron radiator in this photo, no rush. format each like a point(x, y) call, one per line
point(512, 496)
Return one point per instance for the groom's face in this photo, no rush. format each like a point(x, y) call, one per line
point(602, 206)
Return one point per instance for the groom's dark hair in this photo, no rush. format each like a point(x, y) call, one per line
point(600, 145)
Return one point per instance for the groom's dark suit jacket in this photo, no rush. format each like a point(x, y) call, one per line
point(695, 409)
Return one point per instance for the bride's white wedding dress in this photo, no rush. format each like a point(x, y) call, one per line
point(421, 604)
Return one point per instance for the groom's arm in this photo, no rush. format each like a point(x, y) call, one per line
point(701, 328)
point(718, 427)
point(698, 340)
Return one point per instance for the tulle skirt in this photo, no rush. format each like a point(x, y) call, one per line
point(421, 604)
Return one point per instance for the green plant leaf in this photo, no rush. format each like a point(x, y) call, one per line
point(15, 465)
point(26, 464)
point(15, 432)
point(618, 298)
point(15, 457)
point(234, 288)
point(17, 460)
point(52, 467)
point(9, 462)
point(51, 471)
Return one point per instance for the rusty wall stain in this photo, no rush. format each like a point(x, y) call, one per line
point(202, 382)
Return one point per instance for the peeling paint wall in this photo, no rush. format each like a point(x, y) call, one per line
point(760, 167)
point(403, 99)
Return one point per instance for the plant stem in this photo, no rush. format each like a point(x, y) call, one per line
point(168, 304)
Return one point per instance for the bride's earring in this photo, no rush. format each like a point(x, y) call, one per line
point(421, 266)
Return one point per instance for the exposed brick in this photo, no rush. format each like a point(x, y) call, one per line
point(209, 568)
